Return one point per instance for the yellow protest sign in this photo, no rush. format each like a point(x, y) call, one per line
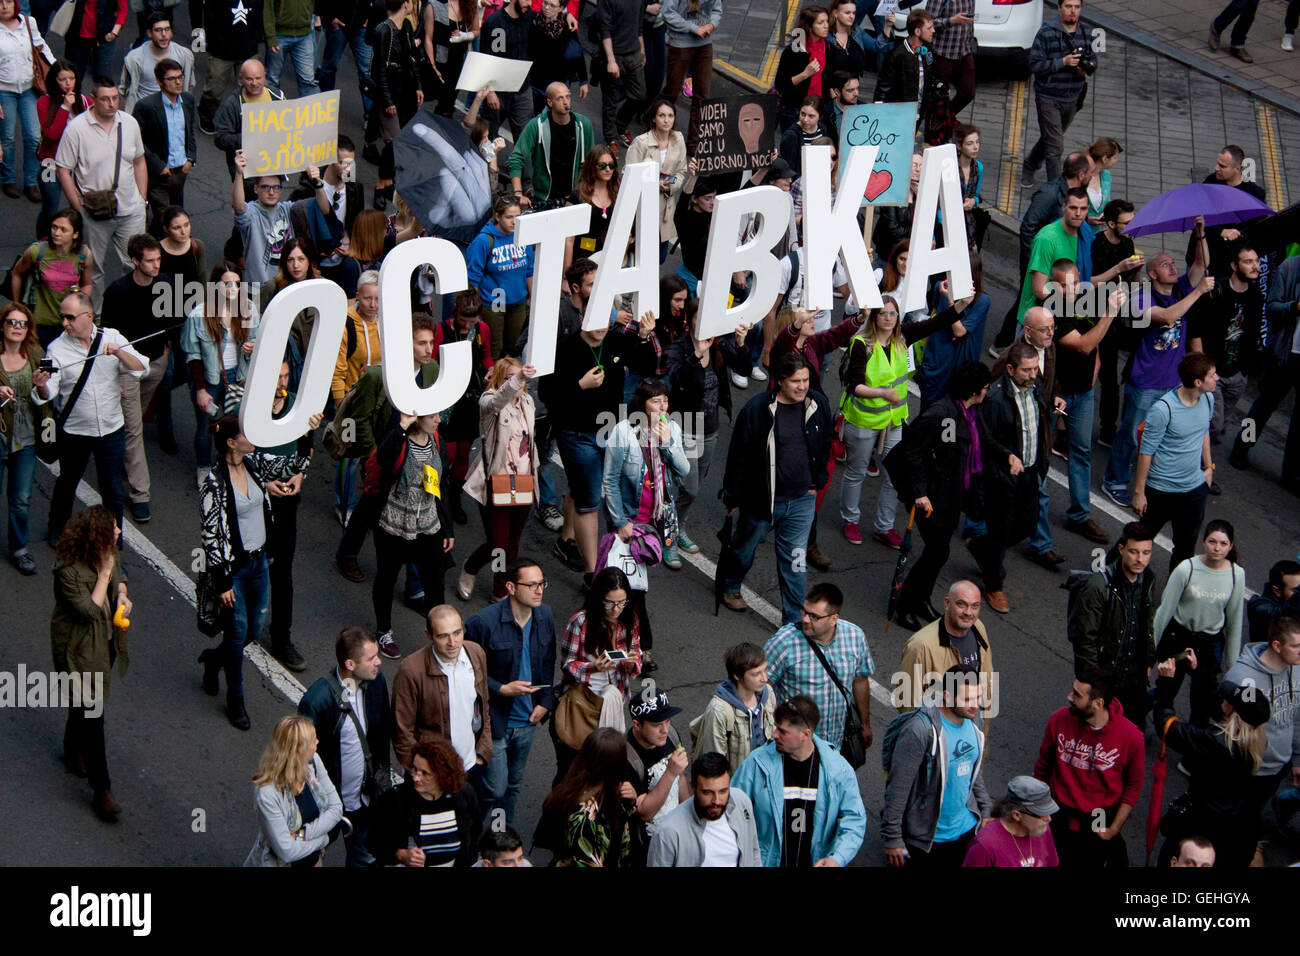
point(287, 136)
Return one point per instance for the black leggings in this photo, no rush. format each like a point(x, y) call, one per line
point(1205, 679)
point(391, 553)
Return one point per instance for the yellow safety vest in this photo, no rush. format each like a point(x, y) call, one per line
point(881, 372)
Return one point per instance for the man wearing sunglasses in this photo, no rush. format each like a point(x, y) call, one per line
point(518, 636)
point(263, 225)
point(93, 425)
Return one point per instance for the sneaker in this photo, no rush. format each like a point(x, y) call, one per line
point(1061, 451)
point(1240, 53)
point(388, 646)
point(1120, 496)
point(1183, 769)
point(873, 469)
point(852, 533)
point(551, 517)
point(349, 568)
point(625, 138)
point(464, 585)
point(890, 538)
point(24, 562)
point(140, 513)
point(671, 558)
point(739, 381)
point(1088, 529)
point(758, 374)
point(1213, 40)
point(288, 655)
point(1288, 42)
point(340, 517)
point(734, 601)
point(994, 352)
point(1106, 441)
point(1026, 179)
point(569, 552)
point(685, 544)
point(206, 127)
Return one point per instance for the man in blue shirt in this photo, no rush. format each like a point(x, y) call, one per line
point(518, 637)
point(1174, 468)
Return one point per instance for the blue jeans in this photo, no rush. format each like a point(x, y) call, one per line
point(52, 200)
point(91, 57)
point(22, 469)
point(302, 50)
point(336, 41)
point(503, 777)
point(1078, 429)
point(15, 106)
point(547, 493)
point(252, 587)
point(1123, 454)
point(793, 521)
point(583, 463)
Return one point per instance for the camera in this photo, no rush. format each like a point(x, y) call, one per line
point(46, 364)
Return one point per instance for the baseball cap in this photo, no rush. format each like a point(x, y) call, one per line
point(653, 709)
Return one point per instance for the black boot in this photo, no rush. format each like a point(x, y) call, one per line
point(211, 661)
point(237, 714)
point(284, 652)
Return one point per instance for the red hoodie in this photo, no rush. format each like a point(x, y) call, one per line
point(1088, 768)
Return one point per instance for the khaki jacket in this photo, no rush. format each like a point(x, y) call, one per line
point(422, 707)
point(83, 639)
point(927, 656)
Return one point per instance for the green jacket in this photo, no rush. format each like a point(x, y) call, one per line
point(1101, 625)
point(534, 147)
point(82, 636)
point(39, 412)
point(371, 408)
point(287, 18)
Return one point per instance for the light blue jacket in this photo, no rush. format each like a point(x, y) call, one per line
point(624, 463)
point(839, 819)
point(199, 347)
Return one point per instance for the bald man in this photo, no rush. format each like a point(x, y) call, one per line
point(441, 692)
point(552, 146)
point(958, 637)
point(229, 118)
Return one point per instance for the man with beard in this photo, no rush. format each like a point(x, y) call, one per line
point(716, 828)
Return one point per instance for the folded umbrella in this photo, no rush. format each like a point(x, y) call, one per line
point(900, 569)
point(1176, 210)
point(442, 177)
point(1159, 771)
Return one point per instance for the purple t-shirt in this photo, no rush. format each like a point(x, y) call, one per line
point(994, 846)
point(1155, 363)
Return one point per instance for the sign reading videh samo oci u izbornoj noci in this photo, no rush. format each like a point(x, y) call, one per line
point(830, 229)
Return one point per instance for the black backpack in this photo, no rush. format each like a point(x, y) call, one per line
point(1074, 585)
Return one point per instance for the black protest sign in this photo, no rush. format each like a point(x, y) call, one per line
point(736, 134)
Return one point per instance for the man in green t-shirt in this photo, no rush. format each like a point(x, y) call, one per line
point(1057, 240)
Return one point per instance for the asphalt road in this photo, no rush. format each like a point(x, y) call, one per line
point(182, 772)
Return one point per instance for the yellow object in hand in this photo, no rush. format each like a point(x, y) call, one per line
point(120, 619)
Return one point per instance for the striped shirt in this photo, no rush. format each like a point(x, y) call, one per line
point(1027, 403)
point(438, 836)
point(794, 669)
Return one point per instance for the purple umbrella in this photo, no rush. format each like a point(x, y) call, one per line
point(1176, 210)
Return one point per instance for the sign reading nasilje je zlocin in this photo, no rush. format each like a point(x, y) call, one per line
point(287, 136)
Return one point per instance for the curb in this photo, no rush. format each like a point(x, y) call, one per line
point(1190, 60)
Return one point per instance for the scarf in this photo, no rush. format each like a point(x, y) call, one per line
point(817, 51)
point(655, 476)
point(552, 29)
point(974, 462)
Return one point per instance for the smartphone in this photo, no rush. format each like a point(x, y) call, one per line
point(45, 365)
point(1180, 657)
point(616, 655)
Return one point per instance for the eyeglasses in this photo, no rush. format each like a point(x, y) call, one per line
point(173, 77)
point(615, 605)
point(604, 166)
point(16, 323)
point(71, 316)
point(818, 617)
point(535, 585)
point(274, 189)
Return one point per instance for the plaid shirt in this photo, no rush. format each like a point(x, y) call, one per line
point(579, 666)
point(793, 669)
point(952, 42)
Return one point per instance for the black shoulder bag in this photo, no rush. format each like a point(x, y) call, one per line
point(47, 448)
point(852, 747)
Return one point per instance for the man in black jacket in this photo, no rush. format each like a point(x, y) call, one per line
point(162, 116)
point(354, 726)
point(228, 123)
point(230, 35)
point(932, 467)
point(785, 438)
point(1013, 428)
point(907, 72)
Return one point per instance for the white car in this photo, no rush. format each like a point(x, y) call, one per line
point(1002, 27)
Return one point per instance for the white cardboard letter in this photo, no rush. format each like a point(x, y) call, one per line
point(638, 197)
point(331, 305)
point(547, 230)
point(829, 230)
point(939, 184)
point(454, 360)
point(723, 257)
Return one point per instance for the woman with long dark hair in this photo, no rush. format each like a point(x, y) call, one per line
point(586, 819)
point(54, 108)
point(58, 267)
point(218, 340)
point(237, 523)
point(21, 415)
point(662, 143)
point(597, 186)
point(802, 66)
point(432, 818)
point(600, 653)
point(1202, 609)
point(809, 127)
point(88, 637)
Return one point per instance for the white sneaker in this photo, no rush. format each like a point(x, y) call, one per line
point(465, 585)
point(388, 646)
point(739, 381)
point(758, 374)
point(1288, 42)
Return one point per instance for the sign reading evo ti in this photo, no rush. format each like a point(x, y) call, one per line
point(830, 229)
